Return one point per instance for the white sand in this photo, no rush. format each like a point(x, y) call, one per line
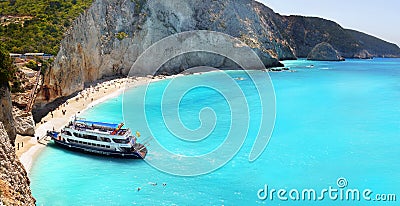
point(84, 100)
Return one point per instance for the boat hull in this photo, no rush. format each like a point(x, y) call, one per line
point(95, 151)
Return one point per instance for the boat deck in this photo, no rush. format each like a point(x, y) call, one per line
point(98, 127)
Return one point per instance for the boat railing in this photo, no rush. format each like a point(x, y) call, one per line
point(81, 127)
point(112, 133)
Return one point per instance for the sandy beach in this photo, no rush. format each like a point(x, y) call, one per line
point(58, 118)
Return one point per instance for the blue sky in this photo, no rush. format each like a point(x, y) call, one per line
point(378, 18)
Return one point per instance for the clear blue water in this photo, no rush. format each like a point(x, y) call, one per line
point(336, 119)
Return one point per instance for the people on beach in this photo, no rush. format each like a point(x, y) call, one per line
point(56, 118)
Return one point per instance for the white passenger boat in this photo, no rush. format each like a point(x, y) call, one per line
point(99, 138)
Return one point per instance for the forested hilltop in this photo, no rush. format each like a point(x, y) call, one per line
point(37, 25)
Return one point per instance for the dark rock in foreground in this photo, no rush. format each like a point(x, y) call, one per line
point(14, 181)
point(6, 112)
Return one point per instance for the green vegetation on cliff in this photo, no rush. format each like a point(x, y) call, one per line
point(7, 70)
point(36, 25)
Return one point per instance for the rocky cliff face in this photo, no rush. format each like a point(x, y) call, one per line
point(324, 52)
point(14, 182)
point(108, 38)
point(6, 112)
point(24, 123)
point(304, 33)
point(372, 46)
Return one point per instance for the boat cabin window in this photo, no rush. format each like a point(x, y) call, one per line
point(92, 137)
point(104, 139)
point(85, 136)
point(67, 133)
point(121, 141)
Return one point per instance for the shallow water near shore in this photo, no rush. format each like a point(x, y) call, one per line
point(333, 120)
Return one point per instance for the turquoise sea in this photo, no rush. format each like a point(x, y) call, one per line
point(334, 121)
